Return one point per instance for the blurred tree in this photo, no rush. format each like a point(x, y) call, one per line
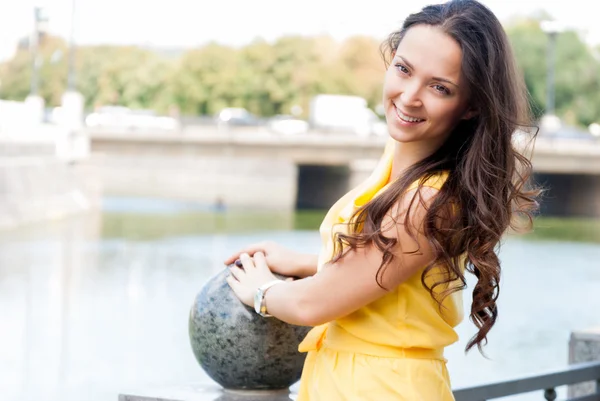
point(204, 81)
point(361, 56)
point(271, 78)
point(529, 44)
point(131, 76)
point(293, 73)
point(576, 71)
point(577, 81)
point(15, 74)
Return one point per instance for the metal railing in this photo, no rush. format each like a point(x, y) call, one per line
point(545, 382)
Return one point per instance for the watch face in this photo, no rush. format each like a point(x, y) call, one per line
point(257, 301)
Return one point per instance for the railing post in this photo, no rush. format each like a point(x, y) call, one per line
point(550, 394)
point(584, 346)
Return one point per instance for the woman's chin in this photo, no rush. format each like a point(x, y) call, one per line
point(400, 136)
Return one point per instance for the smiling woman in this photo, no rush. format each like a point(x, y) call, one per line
point(385, 292)
point(424, 93)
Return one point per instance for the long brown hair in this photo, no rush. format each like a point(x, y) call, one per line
point(488, 176)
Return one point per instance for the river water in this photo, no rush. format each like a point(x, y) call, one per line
point(98, 304)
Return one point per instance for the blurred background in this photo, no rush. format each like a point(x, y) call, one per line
point(143, 142)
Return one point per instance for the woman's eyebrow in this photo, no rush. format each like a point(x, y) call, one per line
point(409, 65)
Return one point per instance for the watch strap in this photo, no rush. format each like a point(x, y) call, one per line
point(259, 300)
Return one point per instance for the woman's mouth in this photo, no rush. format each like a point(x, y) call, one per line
point(405, 119)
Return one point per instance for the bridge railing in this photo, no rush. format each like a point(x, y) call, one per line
point(546, 383)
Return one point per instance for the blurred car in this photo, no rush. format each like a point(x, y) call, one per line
point(108, 116)
point(287, 125)
point(377, 126)
point(124, 117)
point(236, 116)
point(368, 124)
point(345, 113)
point(149, 119)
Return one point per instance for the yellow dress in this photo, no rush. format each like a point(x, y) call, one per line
point(391, 349)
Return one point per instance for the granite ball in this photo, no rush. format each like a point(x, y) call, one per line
point(239, 349)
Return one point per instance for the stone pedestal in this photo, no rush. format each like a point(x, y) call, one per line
point(72, 145)
point(36, 108)
point(71, 114)
point(584, 346)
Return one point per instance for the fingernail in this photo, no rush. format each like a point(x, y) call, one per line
point(238, 263)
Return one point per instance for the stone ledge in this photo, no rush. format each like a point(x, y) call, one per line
point(204, 393)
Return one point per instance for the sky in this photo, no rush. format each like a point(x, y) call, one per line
point(189, 23)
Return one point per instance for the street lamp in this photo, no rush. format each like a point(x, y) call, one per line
point(552, 29)
point(76, 145)
point(71, 68)
point(40, 27)
point(33, 101)
point(72, 102)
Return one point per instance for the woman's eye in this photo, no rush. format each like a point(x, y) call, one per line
point(402, 68)
point(442, 89)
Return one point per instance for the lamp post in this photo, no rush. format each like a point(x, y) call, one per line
point(71, 71)
point(35, 103)
point(39, 28)
point(72, 101)
point(552, 29)
point(77, 143)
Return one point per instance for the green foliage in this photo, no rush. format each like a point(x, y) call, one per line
point(565, 229)
point(577, 78)
point(271, 78)
point(123, 75)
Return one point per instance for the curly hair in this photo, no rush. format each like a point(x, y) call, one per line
point(488, 186)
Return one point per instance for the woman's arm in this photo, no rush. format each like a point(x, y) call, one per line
point(307, 265)
point(349, 284)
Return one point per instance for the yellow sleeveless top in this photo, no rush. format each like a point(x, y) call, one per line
point(405, 322)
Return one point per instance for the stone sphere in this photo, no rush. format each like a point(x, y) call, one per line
point(238, 348)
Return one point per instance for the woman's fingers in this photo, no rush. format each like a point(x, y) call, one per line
point(250, 250)
point(235, 285)
point(260, 260)
point(234, 257)
point(237, 273)
point(245, 280)
point(247, 262)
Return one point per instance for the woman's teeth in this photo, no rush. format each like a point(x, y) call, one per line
point(407, 118)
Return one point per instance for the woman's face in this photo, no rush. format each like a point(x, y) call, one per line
point(424, 94)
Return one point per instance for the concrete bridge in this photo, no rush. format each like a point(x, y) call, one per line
point(551, 155)
point(257, 169)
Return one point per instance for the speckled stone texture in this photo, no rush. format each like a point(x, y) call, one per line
point(584, 346)
point(238, 348)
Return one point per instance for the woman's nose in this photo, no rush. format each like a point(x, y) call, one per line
point(410, 96)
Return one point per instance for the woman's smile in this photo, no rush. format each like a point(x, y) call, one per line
point(406, 119)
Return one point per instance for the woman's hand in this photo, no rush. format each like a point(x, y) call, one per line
point(246, 280)
point(280, 260)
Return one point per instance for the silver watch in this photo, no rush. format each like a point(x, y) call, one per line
point(259, 298)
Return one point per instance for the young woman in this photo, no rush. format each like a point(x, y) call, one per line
point(384, 294)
